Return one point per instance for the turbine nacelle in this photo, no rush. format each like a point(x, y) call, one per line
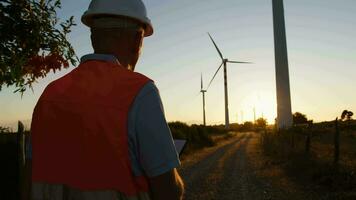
point(224, 60)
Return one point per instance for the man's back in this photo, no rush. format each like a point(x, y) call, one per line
point(87, 111)
point(124, 143)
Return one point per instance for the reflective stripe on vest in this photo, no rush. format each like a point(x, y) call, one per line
point(79, 129)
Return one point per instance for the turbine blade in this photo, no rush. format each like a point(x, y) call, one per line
point(230, 61)
point(214, 75)
point(220, 54)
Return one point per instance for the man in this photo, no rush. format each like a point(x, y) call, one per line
point(99, 132)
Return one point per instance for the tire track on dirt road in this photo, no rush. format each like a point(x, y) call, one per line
point(226, 174)
point(201, 179)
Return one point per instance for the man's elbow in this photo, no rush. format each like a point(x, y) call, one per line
point(179, 187)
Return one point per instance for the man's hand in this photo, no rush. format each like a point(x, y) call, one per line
point(167, 186)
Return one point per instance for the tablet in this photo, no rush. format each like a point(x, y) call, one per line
point(180, 145)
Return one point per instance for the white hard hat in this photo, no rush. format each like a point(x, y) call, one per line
point(134, 9)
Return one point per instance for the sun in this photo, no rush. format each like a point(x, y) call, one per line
point(260, 104)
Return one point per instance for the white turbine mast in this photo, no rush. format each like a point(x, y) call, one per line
point(203, 94)
point(284, 108)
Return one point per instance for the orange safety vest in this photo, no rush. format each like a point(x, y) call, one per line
point(79, 129)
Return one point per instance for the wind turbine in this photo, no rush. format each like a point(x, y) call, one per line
point(203, 94)
point(224, 63)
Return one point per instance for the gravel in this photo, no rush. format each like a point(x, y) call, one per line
point(226, 172)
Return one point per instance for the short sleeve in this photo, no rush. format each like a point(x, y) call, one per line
point(156, 152)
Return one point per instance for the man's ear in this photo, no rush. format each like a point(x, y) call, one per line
point(138, 39)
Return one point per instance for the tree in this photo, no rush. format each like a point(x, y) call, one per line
point(261, 122)
point(346, 115)
point(299, 118)
point(4, 129)
point(32, 42)
point(246, 126)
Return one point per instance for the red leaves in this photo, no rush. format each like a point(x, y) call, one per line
point(40, 65)
point(33, 42)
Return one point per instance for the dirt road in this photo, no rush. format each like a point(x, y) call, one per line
point(227, 171)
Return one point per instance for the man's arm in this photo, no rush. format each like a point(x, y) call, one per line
point(156, 152)
point(167, 186)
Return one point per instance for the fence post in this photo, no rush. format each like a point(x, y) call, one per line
point(308, 141)
point(336, 143)
point(20, 155)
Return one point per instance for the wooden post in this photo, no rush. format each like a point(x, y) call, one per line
point(21, 157)
point(336, 143)
point(292, 142)
point(308, 141)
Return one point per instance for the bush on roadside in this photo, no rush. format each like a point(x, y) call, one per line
point(197, 136)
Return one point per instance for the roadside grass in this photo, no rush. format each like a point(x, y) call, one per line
point(315, 169)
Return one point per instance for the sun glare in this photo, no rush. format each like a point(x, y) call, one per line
point(258, 104)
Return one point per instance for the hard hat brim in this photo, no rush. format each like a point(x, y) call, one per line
point(88, 18)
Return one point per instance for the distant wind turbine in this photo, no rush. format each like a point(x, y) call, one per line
point(224, 61)
point(254, 114)
point(203, 94)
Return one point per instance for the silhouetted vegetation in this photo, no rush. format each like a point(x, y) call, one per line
point(261, 123)
point(9, 177)
point(346, 115)
point(313, 155)
point(32, 41)
point(198, 136)
point(299, 118)
point(4, 130)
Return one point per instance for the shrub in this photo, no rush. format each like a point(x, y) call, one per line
point(197, 136)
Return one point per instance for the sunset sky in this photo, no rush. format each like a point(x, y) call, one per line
point(321, 40)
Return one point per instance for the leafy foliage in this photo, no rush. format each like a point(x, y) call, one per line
point(32, 41)
point(346, 115)
point(197, 136)
point(247, 126)
point(299, 118)
point(261, 122)
point(4, 129)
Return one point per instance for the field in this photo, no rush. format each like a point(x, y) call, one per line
point(301, 159)
point(307, 155)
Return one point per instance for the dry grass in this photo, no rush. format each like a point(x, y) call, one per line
point(315, 169)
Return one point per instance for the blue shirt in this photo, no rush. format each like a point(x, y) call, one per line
point(151, 147)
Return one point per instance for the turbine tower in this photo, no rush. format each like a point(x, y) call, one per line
point(203, 94)
point(224, 62)
point(284, 110)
